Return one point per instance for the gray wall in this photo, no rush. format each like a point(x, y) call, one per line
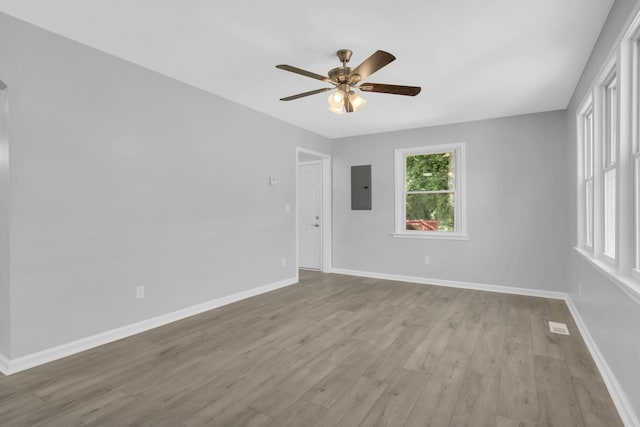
point(122, 177)
point(4, 223)
point(611, 316)
point(516, 205)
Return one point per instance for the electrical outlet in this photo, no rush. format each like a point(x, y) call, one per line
point(139, 292)
point(427, 260)
point(283, 261)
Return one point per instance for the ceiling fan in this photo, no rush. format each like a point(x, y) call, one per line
point(345, 79)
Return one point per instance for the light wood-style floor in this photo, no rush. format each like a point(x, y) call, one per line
point(333, 351)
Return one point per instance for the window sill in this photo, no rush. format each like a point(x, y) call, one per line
point(629, 285)
point(430, 235)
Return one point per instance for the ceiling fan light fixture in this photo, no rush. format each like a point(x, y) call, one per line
point(357, 102)
point(344, 79)
point(336, 102)
point(336, 98)
point(336, 110)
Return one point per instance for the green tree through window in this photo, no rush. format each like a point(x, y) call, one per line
point(430, 192)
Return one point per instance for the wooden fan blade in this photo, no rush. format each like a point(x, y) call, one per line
point(304, 73)
point(373, 63)
point(301, 95)
point(392, 89)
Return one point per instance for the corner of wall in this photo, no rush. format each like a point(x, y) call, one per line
point(4, 224)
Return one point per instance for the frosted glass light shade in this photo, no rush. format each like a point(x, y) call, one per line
point(336, 102)
point(357, 102)
point(336, 99)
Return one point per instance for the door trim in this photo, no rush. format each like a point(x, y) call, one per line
point(327, 221)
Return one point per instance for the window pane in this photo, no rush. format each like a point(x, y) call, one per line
point(588, 145)
point(589, 212)
point(611, 116)
point(430, 212)
point(430, 172)
point(637, 214)
point(610, 213)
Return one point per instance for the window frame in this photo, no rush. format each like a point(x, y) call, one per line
point(635, 147)
point(609, 144)
point(586, 136)
point(635, 266)
point(460, 215)
point(623, 62)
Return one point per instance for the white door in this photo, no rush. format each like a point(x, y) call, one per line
point(309, 218)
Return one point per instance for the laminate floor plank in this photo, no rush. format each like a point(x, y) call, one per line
point(437, 402)
point(354, 405)
point(333, 350)
point(396, 355)
point(466, 334)
point(85, 412)
point(301, 413)
point(579, 360)
point(557, 401)
point(21, 410)
point(394, 405)
point(331, 388)
point(489, 350)
point(517, 395)
point(477, 402)
point(232, 416)
point(519, 326)
point(278, 396)
point(596, 405)
point(545, 343)
point(508, 422)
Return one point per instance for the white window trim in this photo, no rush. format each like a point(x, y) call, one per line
point(587, 108)
point(633, 44)
point(460, 213)
point(624, 61)
point(635, 250)
point(604, 140)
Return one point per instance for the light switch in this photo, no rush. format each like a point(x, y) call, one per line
point(273, 181)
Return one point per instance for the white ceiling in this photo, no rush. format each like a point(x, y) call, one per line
point(474, 59)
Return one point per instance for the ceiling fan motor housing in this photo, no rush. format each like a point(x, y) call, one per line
point(340, 74)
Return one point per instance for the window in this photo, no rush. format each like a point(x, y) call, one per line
point(610, 146)
point(636, 216)
point(635, 150)
point(608, 129)
point(429, 192)
point(587, 137)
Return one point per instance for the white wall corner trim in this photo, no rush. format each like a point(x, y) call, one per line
point(619, 397)
point(4, 364)
point(12, 366)
point(455, 284)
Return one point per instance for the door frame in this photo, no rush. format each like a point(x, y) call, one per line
point(327, 221)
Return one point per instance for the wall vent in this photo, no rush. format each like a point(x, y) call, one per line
point(558, 328)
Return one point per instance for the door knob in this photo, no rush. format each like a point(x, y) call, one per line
point(316, 225)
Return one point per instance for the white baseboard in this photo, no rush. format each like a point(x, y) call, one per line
point(12, 366)
point(454, 284)
point(619, 397)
